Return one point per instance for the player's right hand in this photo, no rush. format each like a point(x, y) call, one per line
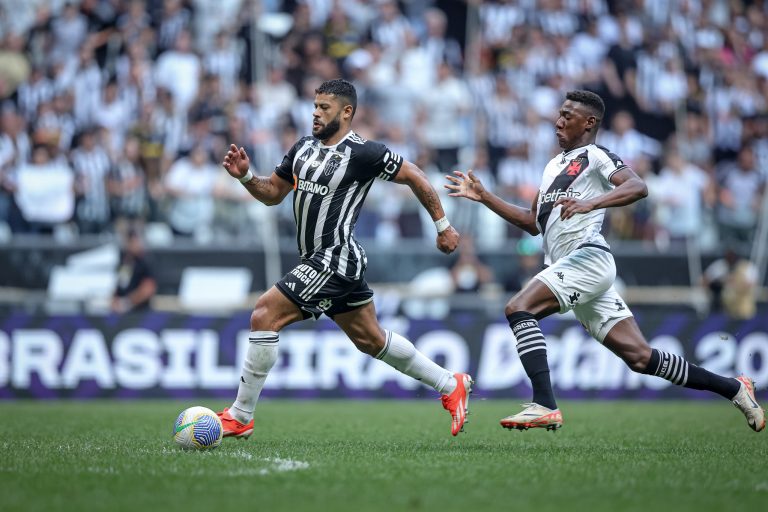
point(465, 185)
point(236, 162)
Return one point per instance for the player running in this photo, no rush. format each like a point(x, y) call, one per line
point(576, 187)
point(330, 173)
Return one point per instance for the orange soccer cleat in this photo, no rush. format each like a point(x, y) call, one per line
point(232, 427)
point(457, 403)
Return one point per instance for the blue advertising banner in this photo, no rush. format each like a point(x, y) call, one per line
point(170, 355)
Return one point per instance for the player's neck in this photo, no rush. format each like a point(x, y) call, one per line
point(337, 137)
point(578, 144)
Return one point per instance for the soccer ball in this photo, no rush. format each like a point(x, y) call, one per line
point(197, 428)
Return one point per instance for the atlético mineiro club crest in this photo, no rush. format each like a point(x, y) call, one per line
point(331, 166)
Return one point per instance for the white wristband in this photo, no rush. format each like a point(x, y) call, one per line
point(442, 224)
point(248, 177)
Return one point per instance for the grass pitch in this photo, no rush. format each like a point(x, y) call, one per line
point(388, 456)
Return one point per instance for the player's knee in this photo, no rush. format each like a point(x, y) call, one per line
point(262, 320)
point(368, 345)
point(513, 306)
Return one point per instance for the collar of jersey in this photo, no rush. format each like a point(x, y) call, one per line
point(565, 155)
point(323, 146)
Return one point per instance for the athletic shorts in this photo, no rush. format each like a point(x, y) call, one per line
point(583, 281)
point(317, 290)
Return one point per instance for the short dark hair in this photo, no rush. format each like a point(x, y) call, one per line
point(591, 100)
point(342, 89)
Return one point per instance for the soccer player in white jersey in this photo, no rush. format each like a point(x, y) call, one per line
point(577, 185)
point(330, 174)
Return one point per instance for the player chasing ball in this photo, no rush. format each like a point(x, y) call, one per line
point(330, 174)
point(577, 185)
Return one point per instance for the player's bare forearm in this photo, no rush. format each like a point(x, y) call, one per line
point(524, 218)
point(264, 190)
point(426, 194)
point(469, 186)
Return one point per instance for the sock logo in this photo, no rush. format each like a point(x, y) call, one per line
point(523, 325)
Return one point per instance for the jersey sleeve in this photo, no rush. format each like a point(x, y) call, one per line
point(285, 169)
point(610, 164)
point(378, 161)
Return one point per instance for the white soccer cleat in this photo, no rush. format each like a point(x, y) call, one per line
point(534, 416)
point(745, 401)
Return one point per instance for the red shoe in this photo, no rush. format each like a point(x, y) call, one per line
point(457, 403)
point(232, 427)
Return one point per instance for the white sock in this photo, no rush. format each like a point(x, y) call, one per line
point(261, 356)
point(400, 354)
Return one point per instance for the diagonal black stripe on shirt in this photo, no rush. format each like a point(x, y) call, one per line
point(563, 181)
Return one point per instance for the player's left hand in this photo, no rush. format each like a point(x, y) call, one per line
point(448, 240)
point(572, 206)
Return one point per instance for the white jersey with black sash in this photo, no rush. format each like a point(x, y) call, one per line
point(330, 184)
point(582, 173)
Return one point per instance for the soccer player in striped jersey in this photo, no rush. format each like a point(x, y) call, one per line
point(330, 173)
point(576, 187)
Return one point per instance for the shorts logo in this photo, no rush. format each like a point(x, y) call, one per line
point(574, 298)
point(560, 275)
point(325, 304)
point(619, 305)
point(291, 286)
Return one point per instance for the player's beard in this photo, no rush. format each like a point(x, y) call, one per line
point(330, 129)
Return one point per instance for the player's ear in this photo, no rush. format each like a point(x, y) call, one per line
point(348, 112)
point(591, 123)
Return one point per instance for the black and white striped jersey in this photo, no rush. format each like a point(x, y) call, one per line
point(330, 184)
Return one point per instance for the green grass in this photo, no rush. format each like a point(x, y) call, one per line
point(388, 456)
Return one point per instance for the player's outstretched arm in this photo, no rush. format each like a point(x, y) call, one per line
point(629, 188)
point(469, 186)
point(409, 174)
point(270, 191)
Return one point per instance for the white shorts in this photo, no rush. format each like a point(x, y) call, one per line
point(583, 281)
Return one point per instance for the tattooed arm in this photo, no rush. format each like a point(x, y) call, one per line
point(269, 190)
point(410, 175)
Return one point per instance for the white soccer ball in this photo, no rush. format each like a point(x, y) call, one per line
point(197, 428)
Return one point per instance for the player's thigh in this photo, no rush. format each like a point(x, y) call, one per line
point(273, 311)
point(580, 277)
point(602, 313)
point(363, 328)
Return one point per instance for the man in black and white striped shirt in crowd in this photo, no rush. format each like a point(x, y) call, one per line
point(330, 174)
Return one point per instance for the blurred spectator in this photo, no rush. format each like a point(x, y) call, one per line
point(190, 183)
point(469, 273)
point(43, 192)
point(681, 193)
point(91, 164)
point(179, 62)
point(127, 185)
point(741, 191)
point(732, 284)
point(136, 284)
point(14, 65)
point(444, 107)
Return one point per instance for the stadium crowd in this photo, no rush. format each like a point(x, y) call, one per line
point(116, 113)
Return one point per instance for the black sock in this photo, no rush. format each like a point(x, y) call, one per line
point(678, 371)
point(533, 354)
